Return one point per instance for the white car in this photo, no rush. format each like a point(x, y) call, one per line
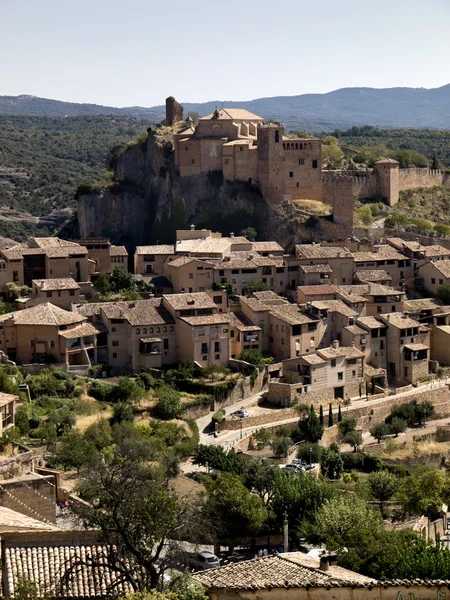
point(204, 560)
point(241, 413)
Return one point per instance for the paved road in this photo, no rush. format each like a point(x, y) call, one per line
point(227, 439)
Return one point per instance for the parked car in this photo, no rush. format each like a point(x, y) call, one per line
point(241, 413)
point(296, 469)
point(203, 561)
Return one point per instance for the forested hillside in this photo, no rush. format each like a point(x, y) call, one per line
point(429, 142)
point(44, 159)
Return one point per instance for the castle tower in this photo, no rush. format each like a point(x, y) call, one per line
point(387, 173)
point(174, 111)
point(271, 162)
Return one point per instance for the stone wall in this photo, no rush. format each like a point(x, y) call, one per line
point(236, 424)
point(18, 464)
point(243, 389)
point(174, 111)
point(34, 497)
point(404, 590)
point(283, 393)
point(421, 178)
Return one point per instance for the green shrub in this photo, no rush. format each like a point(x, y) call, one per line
point(422, 225)
point(218, 416)
point(169, 403)
point(442, 230)
point(365, 215)
point(397, 219)
point(280, 446)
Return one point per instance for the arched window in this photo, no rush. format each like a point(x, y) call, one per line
point(296, 146)
point(301, 146)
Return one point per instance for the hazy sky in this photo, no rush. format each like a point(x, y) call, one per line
point(137, 52)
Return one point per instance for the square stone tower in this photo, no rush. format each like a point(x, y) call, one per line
point(271, 162)
point(387, 173)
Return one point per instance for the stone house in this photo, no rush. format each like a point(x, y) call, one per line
point(151, 259)
point(339, 259)
point(407, 355)
point(292, 332)
point(378, 299)
point(44, 332)
point(298, 576)
point(375, 347)
point(321, 274)
point(331, 373)
point(244, 335)
point(391, 261)
point(311, 293)
point(7, 411)
point(61, 292)
point(433, 274)
point(43, 258)
point(190, 274)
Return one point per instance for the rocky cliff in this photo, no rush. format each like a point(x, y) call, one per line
point(149, 201)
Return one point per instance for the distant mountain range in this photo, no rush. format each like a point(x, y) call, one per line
point(343, 108)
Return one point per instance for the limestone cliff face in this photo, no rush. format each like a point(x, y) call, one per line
point(151, 201)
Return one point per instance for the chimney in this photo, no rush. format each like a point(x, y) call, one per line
point(232, 234)
point(335, 344)
point(324, 565)
point(192, 227)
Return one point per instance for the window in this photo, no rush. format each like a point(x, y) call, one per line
point(277, 136)
point(353, 373)
point(393, 308)
point(282, 341)
point(291, 173)
point(204, 348)
point(114, 354)
point(72, 293)
point(15, 276)
point(191, 275)
point(340, 376)
point(49, 294)
point(170, 328)
point(381, 344)
point(441, 282)
point(433, 280)
point(216, 346)
point(379, 309)
point(241, 148)
point(193, 161)
point(115, 344)
point(315, 164)
point(165, 343)
point(113, 329)
point(301, 161)
point(144, 330)
point(138, 331)
point(333, 362)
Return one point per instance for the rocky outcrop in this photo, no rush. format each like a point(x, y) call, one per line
point(150, 201)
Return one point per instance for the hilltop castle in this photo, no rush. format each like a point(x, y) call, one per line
point(244, 147)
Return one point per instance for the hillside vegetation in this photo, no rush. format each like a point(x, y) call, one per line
point(372, 140)
point(424, 211)
point(44, 159)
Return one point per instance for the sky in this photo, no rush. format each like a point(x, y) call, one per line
point(137, 52)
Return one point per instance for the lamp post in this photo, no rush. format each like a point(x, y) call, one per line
point(310, 456)
point(242, 418)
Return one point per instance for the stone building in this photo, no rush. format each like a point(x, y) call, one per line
point(244, 148)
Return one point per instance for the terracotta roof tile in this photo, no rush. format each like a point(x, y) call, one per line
point(189, 301)
point(63, 571)
point(373, 275)
point(45, 314)
point(318, 290)
point(52, 285)
point(118, 251)
point(163, 249)
point(315, 251)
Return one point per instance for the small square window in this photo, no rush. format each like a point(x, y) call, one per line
point(340, 376)
point(291, 173)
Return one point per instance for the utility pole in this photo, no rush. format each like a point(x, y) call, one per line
point(286, 533)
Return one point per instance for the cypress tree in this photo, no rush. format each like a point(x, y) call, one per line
point(330, 416)
point(321, 415)
point(339, 414)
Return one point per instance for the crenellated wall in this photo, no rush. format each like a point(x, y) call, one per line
point(421, 178)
